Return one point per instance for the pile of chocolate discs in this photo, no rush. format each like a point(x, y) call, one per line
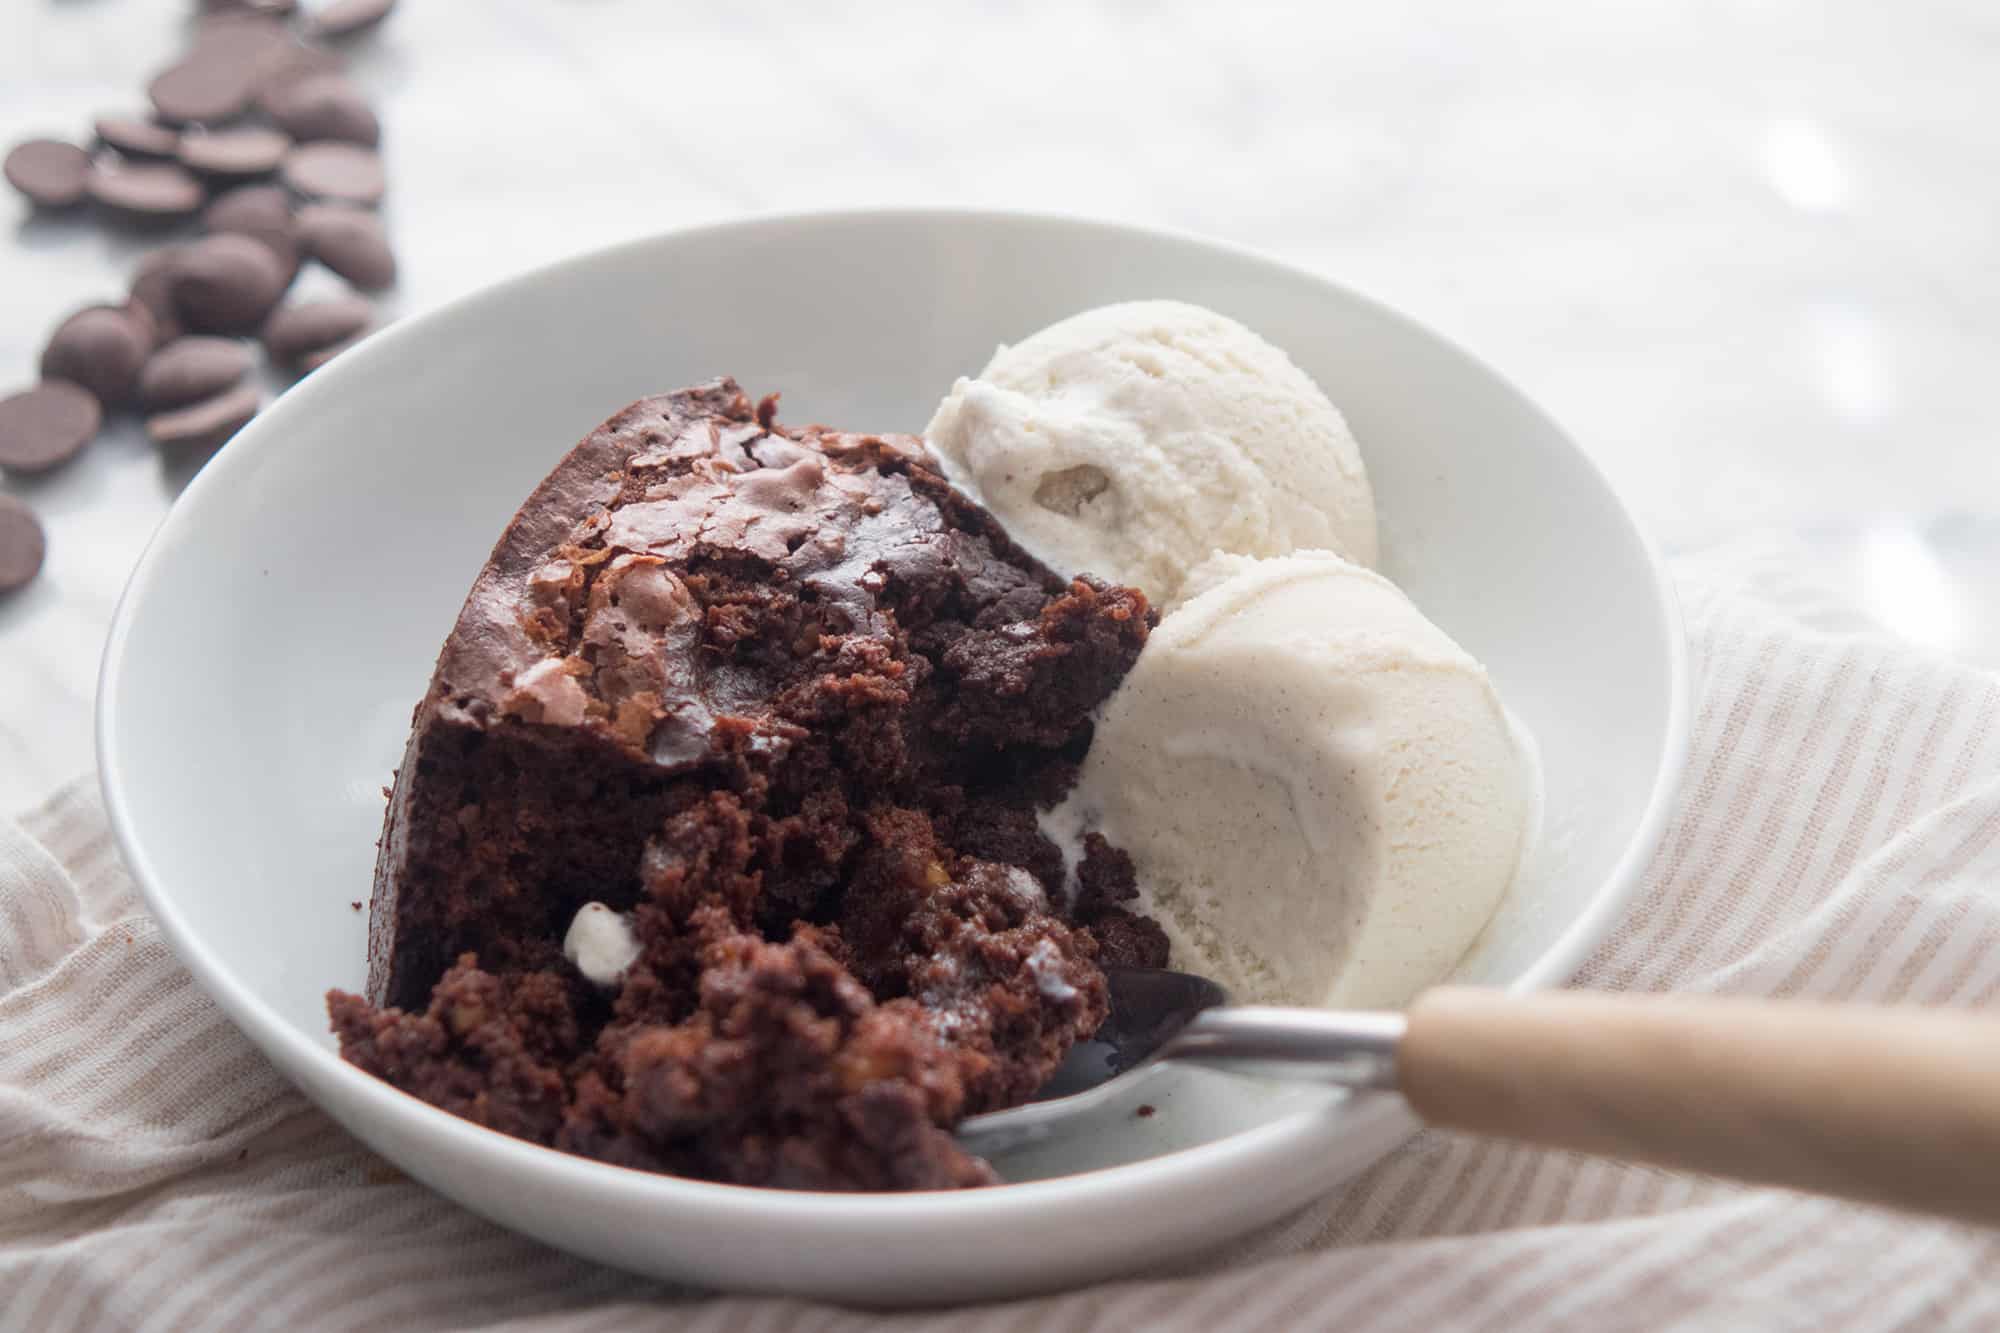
point(256, 157)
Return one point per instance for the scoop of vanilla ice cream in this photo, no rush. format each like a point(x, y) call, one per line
point(1321, 792)
point(1132, 440)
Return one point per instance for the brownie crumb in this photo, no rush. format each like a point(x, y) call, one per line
point(1146, 1112)
point(1105, 882)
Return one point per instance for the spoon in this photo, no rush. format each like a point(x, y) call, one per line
point(1892, 1105)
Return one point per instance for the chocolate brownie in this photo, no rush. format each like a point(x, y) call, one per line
point(785, 704)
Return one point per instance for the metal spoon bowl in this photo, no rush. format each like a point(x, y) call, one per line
point(1159, 1015)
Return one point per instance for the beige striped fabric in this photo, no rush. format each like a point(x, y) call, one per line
point(1839, 837)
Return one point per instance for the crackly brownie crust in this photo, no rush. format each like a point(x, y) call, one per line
point(791, 702)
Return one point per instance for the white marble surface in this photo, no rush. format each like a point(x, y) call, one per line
point(1744, 250)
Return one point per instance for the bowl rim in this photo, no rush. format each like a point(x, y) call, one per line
point(1215, 1162)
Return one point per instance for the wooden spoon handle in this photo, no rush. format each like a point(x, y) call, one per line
point(1898, 1106)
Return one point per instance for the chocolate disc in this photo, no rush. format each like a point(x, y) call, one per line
point(207, 87)
point(50, 172)
point(329, 170)
point(135, 136)
point(208, 422)
point(260, 211)
point(189, 370)
point(297, 331)
point(242, 153)
point(237, 43)
point(322, 106)
point(46, 425)
point(251, 210)
point(279, 68)
point(22, 544)
point(146, 192)
point(350, 241)
point(100, 347)
point(227, 283)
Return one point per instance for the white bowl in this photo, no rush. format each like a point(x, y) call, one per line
point(259, 679)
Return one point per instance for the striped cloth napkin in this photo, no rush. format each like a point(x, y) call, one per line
point(1839, 837)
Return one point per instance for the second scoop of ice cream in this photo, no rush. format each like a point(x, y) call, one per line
point(1132, 440)
point(1320, 790)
